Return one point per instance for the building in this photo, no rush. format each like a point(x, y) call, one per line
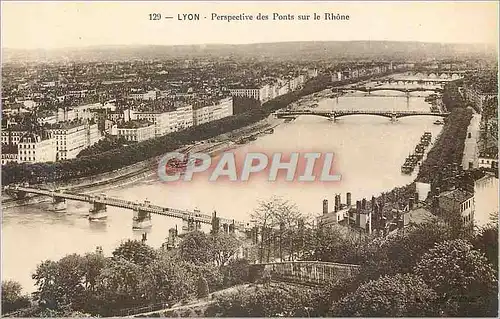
point(12, 135)
point(181, 118)
point(338, 215)
point(214, 112)
point(9, 153)
point(72, 137)
point(253, 93)
point(34, 148)
point(457, 203)
point(143, 95)
point(489, 158)
point(159, 119)
point(136, 130)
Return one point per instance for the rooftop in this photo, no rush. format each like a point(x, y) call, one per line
point(135, 124)
point(418, 216)
point(458, 195)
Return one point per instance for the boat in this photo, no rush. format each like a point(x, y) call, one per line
point(269, 131)
point(439, 122)
point(405, 169)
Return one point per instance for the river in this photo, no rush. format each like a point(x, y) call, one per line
point(368, 150)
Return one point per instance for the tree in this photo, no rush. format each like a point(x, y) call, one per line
point(236, 272)
point(389, 296)
point(167, 280)
point(12, 299)
point(119, 287)
point(462, 277)
point(268, 301)
point(274, 217)
point(332, 292)
point(136, 252)
point(196, 247)
point(202, 288)
point(400, 253)
point(225, 246)
point(486, 240)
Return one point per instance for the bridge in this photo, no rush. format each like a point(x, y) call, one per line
point(335, 114)
point(310, 273)
point(142, 211)
point(391, 88)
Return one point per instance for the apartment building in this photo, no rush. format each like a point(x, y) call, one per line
point(209, 113)
point(457, 202)
point(161, 120)
point(253, 92)
point(72, 137)
point(143, 95)
point(136, 130)
point(34, 148)
point(12, 135)
point(181, 118)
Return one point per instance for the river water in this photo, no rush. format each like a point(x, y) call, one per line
point(368, 153)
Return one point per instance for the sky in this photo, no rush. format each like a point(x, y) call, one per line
point(49, 25)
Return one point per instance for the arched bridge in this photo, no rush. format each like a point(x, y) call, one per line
point(334, 114)
point(389, 88)
point(311, 273)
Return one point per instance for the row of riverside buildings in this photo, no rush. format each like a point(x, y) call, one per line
point(270, 88)
point(142, 125)
point(64, 135)
point(53, 142)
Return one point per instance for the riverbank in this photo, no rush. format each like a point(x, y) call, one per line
point(143, 170)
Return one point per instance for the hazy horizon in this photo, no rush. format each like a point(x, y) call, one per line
point(73, 25)
point(237, 44)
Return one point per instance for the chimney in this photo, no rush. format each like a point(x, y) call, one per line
point(363, 203)
point(325, 206)
point(337, 202)
point(410, 203)
point(372, 203)
point(358, 206)
point(348, 199)
point(416, 197)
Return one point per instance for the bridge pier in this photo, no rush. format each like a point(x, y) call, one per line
point(58, 204)
point(332, 117)
point(98, 211)
point(394, 118)
point(215, 223)
point(141, 219)
point(190, 225)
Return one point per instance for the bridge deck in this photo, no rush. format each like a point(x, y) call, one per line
point(338, 113)
point(121, 203)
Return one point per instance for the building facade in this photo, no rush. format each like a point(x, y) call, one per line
point(72, 137)
point(136, 131)
point(33, 148)
point(213, 112)
point(457, 203)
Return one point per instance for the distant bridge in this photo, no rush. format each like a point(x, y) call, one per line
point(312, 273)
point(142, 211)
point(382, 88)
point(334, 114)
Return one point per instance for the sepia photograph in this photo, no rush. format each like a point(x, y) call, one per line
point(249, 159)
